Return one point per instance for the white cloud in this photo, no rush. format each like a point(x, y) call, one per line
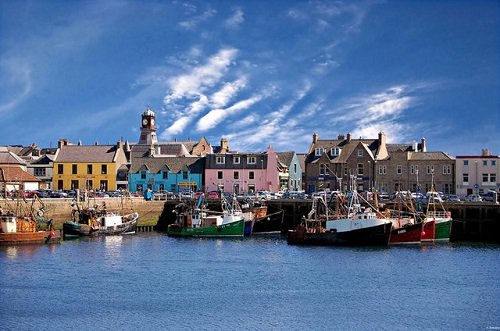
point(220, 98)
point(193, 22)
point(235, 20)
point(216, 116)
point(201, 77)
point(378, 112)
point(17, 82)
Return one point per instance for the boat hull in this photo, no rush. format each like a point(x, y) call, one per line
point(39, 237)
point(377, 235)
point(429, 231)
point(409, 234)
point(73, 229)
point(234, 229)
point(443, 230)
point(269, 224)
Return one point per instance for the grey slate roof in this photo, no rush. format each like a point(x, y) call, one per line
point(174, 164)
point(93, 153)
point(420, 156)
point(9, 158)
point(285, 157)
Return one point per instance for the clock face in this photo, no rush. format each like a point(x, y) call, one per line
point(144, 121)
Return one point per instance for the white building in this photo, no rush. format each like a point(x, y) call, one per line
point(477, 174)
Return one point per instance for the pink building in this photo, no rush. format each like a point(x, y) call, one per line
point(241, 172)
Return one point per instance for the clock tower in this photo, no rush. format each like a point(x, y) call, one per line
point(148, 128)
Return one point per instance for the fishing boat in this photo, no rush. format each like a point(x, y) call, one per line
point(407, 228)
point(353, 225)
point(92, 221)
point(264, 222)
point(24, 230)
point(196, 221)
point(437, 216)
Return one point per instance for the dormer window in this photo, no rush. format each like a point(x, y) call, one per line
point(319, 151)
point(220, 160)
point(236, 160)
point(251, 160)
point(335, 151)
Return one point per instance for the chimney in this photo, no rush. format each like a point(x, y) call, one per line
point(119, 144)
point(423, 146)
point(414, 146)
point(341, 137)
point(224, 148)
point(348, 137)
point(485, 152)
point(381, 138)
point(315, 137)
point(381, 153)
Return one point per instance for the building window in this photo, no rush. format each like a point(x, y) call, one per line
point(104, 169)
point(251, 160)
point(382, 169)
point(430, 169)
point(485, 178)
point(493, 163)
point(493, 178)
point(236, 160)
point(139, 188)
point(319, 151)
point(323, 169)
point(251, 175)
point(414, 169)
point(465, 178)
point(485, 163)
point(335, 151)
point(60, 169)
point(161, 187)
point(60, 184)
point(219, 175)
point(40, 172)
point(360, 153)
point(220, 160)
point(143, 174)
point(446, 188)
point(89, 169)
point(345, 171)
point(90, 184)
point(164, 174)
point(74, 169)
point(360, 168)
point(399, 170)
point(236, 175)
point(104, 185)
point(74, 184)
point(446, 169)
point(251, 188)
point(185, 175)
point(466, 162)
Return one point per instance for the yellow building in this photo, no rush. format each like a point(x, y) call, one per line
point(92, 167)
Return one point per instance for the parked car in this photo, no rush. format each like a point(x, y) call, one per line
point(473, 198)
point(453, 198)
point(213, 195)
point(489, 196)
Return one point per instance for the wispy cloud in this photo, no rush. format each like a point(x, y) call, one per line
point(216, 116)
point(16, 83)
point(378, 112)
point(221, 98)
point(235, 20)
point(193, 22)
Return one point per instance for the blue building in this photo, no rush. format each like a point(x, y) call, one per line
point(289, 171)
point(174, 174)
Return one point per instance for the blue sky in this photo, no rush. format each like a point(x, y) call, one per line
point(256, 72)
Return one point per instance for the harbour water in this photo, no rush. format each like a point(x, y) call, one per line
point(153, 282)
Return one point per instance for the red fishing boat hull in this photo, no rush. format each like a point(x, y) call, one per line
point(429, 231)
point(409, 234)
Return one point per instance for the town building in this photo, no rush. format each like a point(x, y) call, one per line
point(234, 172)
point(289, 171)
point(376, 165)
point(13, 174)
point(91, 167)
point(477, 173)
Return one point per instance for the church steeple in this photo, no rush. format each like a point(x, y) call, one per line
point(148, 128)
